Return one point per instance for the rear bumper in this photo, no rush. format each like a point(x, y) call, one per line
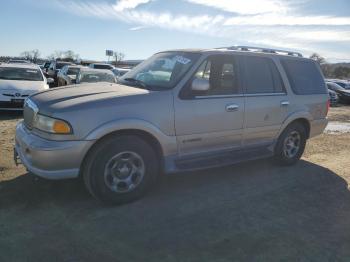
point(317, 127)
point(50, 159)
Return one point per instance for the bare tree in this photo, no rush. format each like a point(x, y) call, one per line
point(55, 55)
point(118, 56)
point(31, 55)
point(35, 55)
point(68, 55)
point(319, 59)
point(27, 55)
point(342, 72)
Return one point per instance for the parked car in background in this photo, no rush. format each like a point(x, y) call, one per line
point(54, 67)
point(343, 83)
point(343, 93)
point(333, 97)
point(45, 66)
point(68, 74)
point(17, 82)
point(18, 61)
point(101, 66)
point(177, 111)
point(119, 72)
point(89, 75)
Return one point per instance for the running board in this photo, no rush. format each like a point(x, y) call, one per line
point(222, 159)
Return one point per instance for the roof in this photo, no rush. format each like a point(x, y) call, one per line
point(101, 64)
point(242, 49)
point(76, 66)
point(64, 62)
point(20, 61)
point(93, 70)
point(25, 66)
point(122, 69)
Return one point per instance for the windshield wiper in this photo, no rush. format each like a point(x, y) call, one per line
point(137, 82)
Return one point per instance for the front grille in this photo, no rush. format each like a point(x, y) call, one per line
point(29, 112)
point(12, 95)
point(12, 105)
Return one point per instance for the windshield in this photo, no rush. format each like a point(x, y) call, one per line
point(20, 74)
point(162, 71)
point(60, 65)
point(93, 77)
point(73, 71)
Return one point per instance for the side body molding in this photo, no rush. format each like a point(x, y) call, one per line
point(167, 142)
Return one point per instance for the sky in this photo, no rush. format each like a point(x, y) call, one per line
point(139, 28)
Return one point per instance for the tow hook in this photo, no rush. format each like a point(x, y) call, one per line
point(16, 157)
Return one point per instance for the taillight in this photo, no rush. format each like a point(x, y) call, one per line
point(328, 106)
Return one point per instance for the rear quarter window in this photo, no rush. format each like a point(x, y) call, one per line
point(304, 77)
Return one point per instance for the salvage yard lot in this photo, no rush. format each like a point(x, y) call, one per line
point(253, 211)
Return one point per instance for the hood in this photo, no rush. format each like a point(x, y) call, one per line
point(22, 86)
point(82, 96)
point(72, 76)
point(345, 91)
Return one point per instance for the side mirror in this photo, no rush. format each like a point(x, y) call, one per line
point(50, 80)
point(200, 85)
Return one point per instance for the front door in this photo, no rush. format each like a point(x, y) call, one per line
point(212, 120)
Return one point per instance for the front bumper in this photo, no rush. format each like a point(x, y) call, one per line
point(49, 159)
point(7, 102)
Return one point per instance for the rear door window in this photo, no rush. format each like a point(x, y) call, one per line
point(261, 76)
point(304, 76)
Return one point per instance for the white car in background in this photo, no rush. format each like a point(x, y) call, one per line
point(101, 66)
point(18, 61)
point(17, 82)
point(119, 72)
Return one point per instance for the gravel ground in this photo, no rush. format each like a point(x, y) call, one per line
point(253, 211)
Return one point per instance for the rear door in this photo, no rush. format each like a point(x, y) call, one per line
point(212, 120)
point(266, 100)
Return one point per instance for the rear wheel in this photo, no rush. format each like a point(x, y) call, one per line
point(291, 144)
point(120, 169)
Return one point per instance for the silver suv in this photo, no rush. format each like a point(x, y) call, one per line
point(179, 110)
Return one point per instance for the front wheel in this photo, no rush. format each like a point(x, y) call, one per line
point(291, 144)
point(120, 169)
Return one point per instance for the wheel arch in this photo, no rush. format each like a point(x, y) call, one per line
point(144, 135)
point(303, 118)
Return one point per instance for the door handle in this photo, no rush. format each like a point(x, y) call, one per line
point(232, 108)
point(285, 103)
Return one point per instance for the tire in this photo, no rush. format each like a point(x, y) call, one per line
point(285, 154)
point(120, 169)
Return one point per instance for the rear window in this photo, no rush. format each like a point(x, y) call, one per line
point(94, 77)
point(97, 66)
point(304, 77)
point(73, 71)
point(261, 76)
point(60, 65)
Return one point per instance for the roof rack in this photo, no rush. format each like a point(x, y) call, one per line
point(262, 49)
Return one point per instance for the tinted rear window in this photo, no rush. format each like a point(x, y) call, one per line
point(304, 77)
point(261, 76)
point(60, 65)
point(102, 66)
point(73, 70)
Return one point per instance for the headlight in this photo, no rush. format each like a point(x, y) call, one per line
point(52, 125)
